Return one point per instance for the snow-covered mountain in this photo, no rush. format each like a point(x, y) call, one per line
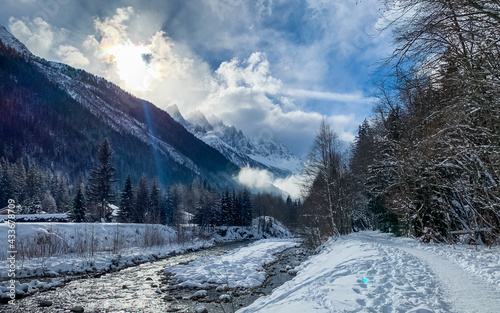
point(263, 152)
point(70, 111)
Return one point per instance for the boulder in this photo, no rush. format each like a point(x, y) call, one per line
point(77, 309)
point(45, 303)
point(201, 309)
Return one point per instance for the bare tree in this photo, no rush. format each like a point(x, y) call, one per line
point(327, 185)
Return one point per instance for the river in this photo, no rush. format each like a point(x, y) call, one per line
point(142, 288)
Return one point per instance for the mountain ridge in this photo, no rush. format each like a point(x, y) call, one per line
point(257, 152)
point(33, 88)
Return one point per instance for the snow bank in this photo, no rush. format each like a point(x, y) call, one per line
point(239, 268)
point(372, 272)
point(61, 217)
point(72, 248)
point(262, 228)
point(478, 260)
point(55, 249)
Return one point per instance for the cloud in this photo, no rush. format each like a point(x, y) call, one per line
point(255, 178)
point(291, 185)
point(246, 90)
point(38, 35)
point(334, 96)
point(263, 180)
point(71, 56)
point(261, 66)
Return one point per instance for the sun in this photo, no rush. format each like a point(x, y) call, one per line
point(133, 64)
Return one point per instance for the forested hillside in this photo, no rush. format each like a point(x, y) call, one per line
point(428, 163)
point(55, 117)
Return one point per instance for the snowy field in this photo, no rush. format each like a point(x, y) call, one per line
point(372, 272)
point(239, 268)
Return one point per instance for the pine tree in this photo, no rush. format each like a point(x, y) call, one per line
point(246, 209)
point(236, 209)
point(18, 179)
point(34, 186)
point(171, 205)
point(155, 207)
point(6, 192)
point(77, 214)
point(101, 179)
point(126, 214)
point(142, 202)
point(225, 209)
point(291, 212)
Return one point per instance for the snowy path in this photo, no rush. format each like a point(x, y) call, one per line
point(465, 291)
point(371, 272)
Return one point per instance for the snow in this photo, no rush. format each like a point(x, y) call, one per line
point(10, 41)
point(239, 268)
point(200, 309)
point(35, 217)
point(265, 152)
point(116, 246)
point(373, 272)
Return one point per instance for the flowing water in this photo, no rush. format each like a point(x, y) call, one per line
point(142, 288)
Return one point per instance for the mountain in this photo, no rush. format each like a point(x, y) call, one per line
point(55, 116)
point(263, 152)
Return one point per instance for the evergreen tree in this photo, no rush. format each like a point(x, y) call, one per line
point(246, 209)
point(171, 205)
point(127, 211)
point(225, 209)
point(18, 178)
point(77, 213)
point(236, 209)
point(155, 208)
point(6, 192)
point(34, 186)
point(142, 202)
point(101, 180)
point(291, 212)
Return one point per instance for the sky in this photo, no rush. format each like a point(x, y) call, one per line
point(264, 66)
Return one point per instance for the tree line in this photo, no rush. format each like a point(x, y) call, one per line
point(428, 163)
point(99, 197)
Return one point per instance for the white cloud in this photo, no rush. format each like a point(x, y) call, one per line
point(263, 90)
point(334, 96)
point(255, 178)
point(290, 185)
point(71, 56)
point(38, 35)
point(263, 180)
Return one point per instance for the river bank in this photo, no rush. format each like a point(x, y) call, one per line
point(142, 289)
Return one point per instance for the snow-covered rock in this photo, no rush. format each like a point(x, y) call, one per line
point(200, 294)
point(201, 309)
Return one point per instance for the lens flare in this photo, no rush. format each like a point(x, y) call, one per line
point(133, 63)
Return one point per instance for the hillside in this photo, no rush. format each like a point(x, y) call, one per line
point(55, 116)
